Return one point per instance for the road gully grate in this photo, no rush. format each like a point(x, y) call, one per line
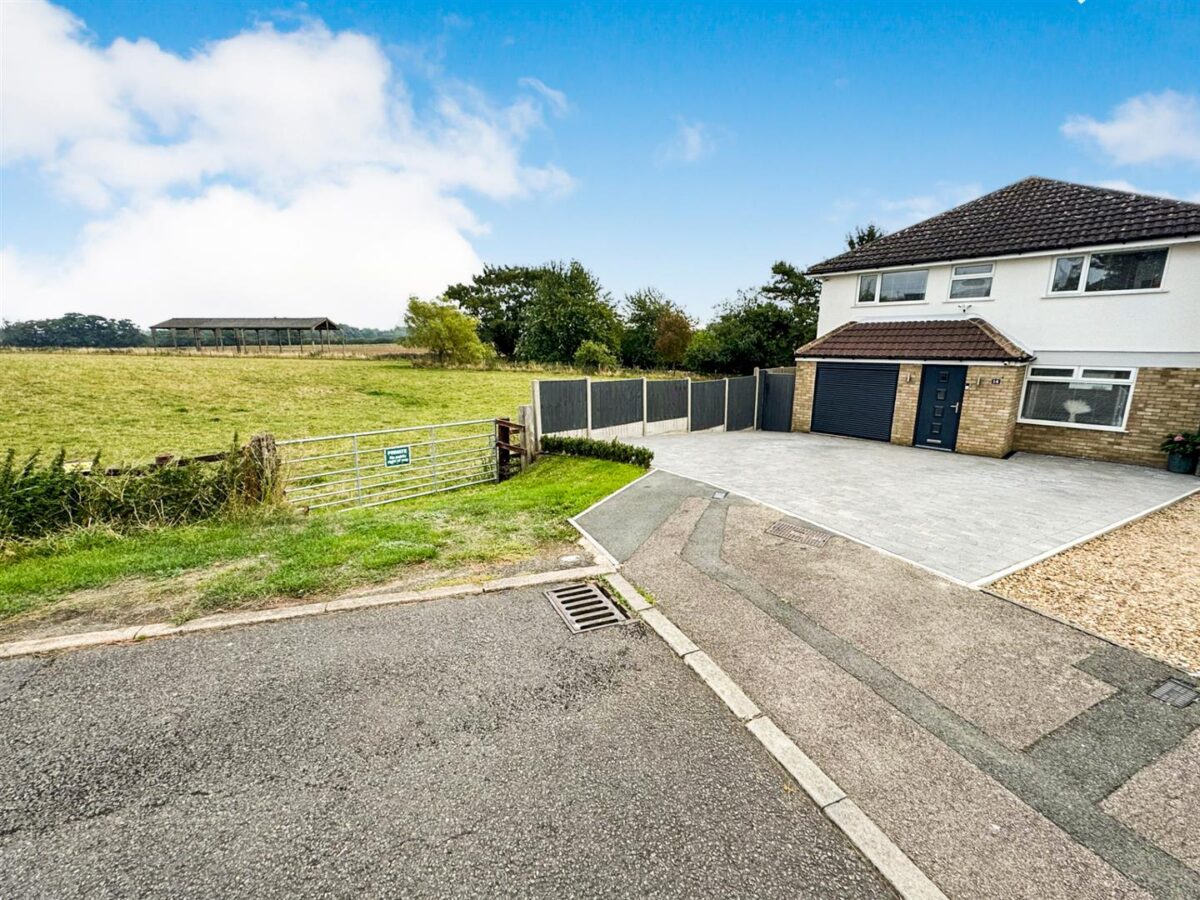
point(584, 607)
point(1176, 693)
point(801, 535)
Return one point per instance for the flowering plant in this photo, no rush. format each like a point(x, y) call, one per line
point(1183, 442)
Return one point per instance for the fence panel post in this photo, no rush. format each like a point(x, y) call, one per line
point(537, 419)
point(644, 410)
point(757, 391)
point(725, 425)
point(588, 387)
point(689, 412)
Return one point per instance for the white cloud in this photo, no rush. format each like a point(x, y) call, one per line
point(264, 173)
point(691, 142)
point(1150, 128)
point(556, 100)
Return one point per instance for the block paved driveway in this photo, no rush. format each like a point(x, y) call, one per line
point(968, 517)
point(469, 747)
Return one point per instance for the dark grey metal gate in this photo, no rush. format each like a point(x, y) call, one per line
point(778, 390)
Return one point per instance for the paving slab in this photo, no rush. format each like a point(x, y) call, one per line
point(968, 517)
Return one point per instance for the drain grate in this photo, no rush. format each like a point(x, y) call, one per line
point(1176, 693)
point(798, 533)
point(720, 495)
point(584, 607)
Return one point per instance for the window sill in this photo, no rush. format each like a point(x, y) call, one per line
point(962, 300)
point(1075, 295)
point(1111, 429)
point(879, 305)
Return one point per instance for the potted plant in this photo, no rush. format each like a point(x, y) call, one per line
point(1181, 448)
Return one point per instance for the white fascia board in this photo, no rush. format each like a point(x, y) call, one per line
point(1032, 254)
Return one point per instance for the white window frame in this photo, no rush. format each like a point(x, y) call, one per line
point(954, 278)
point(1087, 264)
point(1075, 377)
point(878, 275)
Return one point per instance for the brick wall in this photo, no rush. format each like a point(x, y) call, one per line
point(802, 400)
point(989, 411)
point(904, 414)
point(1163, 400)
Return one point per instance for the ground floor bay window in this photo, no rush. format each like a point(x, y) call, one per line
point(1077, 397)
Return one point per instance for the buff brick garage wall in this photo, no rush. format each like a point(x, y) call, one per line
point(989, 415)
point(904, 415)
point(802, 400)
point(1164, 400)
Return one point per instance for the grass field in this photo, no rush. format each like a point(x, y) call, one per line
point(132, 407)
point(90, 579)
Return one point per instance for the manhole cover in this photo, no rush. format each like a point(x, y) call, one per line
point(798, 533)
point(1176, 692)
point(584, 607)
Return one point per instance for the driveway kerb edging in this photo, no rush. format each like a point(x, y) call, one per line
point(872, 842)
point(282, 613)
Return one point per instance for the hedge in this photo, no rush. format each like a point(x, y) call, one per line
point(613, 450)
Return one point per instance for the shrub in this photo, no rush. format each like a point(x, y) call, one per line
point(613, 450)
point(40, 499)
point(593, 356)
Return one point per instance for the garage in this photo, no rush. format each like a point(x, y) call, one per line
point(855, 399)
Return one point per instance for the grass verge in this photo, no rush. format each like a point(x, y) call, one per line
point(201, 568)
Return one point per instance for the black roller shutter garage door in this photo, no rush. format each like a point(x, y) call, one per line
point(855, 399)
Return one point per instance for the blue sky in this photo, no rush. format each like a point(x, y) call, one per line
point(684, 147)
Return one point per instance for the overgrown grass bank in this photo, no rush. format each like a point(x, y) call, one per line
point(237, 562)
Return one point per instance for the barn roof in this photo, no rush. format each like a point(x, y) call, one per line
point(320, 323)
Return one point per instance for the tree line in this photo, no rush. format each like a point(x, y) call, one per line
point(560, 313)
point(77, 330)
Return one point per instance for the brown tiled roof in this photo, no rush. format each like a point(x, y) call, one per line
point(1031, 215)
point(957, 339)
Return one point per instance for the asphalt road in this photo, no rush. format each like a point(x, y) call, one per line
point(463, 747)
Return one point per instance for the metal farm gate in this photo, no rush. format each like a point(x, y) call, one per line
point(370, 468)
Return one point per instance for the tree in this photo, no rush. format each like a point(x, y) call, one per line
point(792, 288)
point(674, 334)
point(444, 330)
point(497, 297)
point(752, 330)
point(568, 307)
point(645, 311)
point(593, 356)
point(864, 235)
point(73, 330)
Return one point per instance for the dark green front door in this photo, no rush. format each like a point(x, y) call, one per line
point(940, 406)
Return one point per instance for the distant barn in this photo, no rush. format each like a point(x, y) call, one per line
point(320, 331)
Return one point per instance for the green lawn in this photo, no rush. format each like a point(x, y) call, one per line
point(286, 555)
point(132, 407)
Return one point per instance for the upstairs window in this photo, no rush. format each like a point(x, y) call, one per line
point(972, 282)
point(1125, 270)
point(1077, 397)
point(893, 287)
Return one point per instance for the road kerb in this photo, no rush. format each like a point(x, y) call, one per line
point(812, 779)
point(722, 685)
point(628, 592)
point(665, 629)
point(879, 850)
point(892, 862)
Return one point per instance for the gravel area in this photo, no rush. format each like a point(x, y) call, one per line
point(1138, 586)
